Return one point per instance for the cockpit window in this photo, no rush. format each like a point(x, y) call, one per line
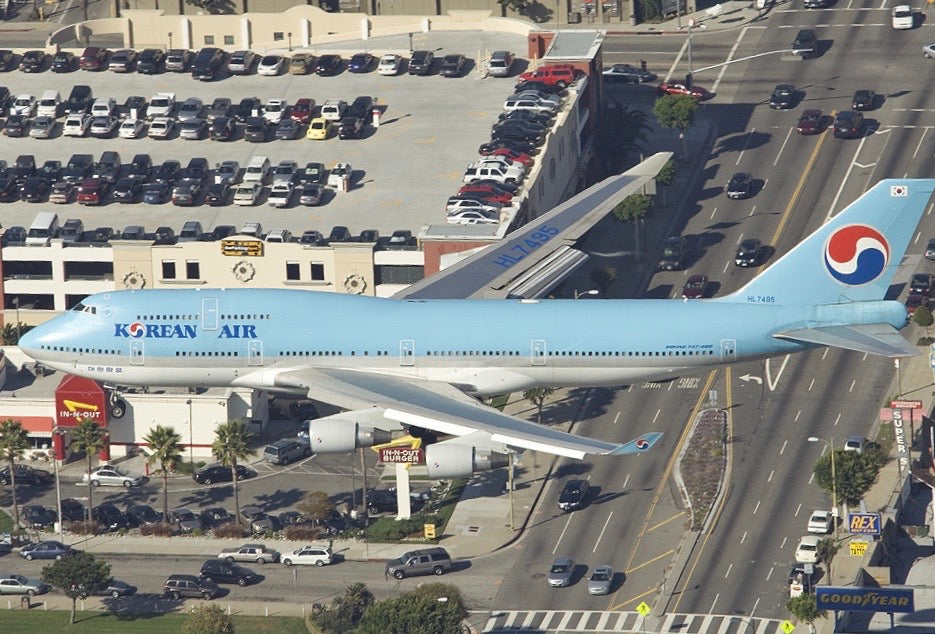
point(81, 308)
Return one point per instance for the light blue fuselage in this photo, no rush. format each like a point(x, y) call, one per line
point(245, 337)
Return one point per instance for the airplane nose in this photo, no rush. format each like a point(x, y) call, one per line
point(29, 342)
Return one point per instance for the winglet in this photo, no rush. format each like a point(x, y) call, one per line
point(641, 444)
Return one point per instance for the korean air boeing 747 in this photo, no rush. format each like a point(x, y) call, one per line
point(396, 363)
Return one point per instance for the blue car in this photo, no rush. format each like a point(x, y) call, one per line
point(45, 550)
point(361, 63)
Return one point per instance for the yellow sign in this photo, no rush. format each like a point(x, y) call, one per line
point(643, 608)
point(239, 247)
point(787, 627)
point(429, 530)
point(858, 548)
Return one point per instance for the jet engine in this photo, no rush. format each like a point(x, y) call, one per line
point(340, 435)
point(450, 460)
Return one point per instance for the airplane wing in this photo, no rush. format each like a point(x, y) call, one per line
point(878, 339)
point(443, 408)
point(528, 262)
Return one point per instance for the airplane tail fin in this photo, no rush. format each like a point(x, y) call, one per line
point(850, 258)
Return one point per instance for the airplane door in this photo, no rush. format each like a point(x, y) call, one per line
point(209, 313)
point(136, 352)
point(728, 349)
point(407, 352)
point(254, 352)
point(537, 351)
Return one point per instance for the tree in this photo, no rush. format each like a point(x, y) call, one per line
point(345, 613)
point(77, 575)
point(537, 396)
point(434, 608)
point(923, 317)
point(89, 437)
point(164, 450)
point(676, 112)
point(315, 505)
point(805, 608)
point(208, 619)
point(855, 473)
point(13, 443)
point(633, 209)
point(231, 446)
point(624, 133)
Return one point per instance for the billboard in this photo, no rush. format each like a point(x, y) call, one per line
point(852, 599)
point(864, 523)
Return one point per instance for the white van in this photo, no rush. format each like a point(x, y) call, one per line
point(50, 104)
point(333, 109)
point(257, 170)
point(42, 229)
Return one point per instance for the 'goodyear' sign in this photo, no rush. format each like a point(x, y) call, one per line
point(864, 523)
point(865, 599)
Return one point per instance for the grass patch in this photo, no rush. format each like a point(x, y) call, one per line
point(703, 465)
point(6, 522)
point(37, 620)
point(886, 436)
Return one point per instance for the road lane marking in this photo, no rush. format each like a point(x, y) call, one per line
point(755, 509)
point(665, 521)
point(783, 146)
point(567, 523)
point(782, 449)
point(650, 561)
point(603, 528)
point(729, 568)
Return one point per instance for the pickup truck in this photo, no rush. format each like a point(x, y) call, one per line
point(258, 553)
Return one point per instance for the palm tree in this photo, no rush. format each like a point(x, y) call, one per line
point(166, 451)
point(232, 444)
point(89, 437)
point(13, 443)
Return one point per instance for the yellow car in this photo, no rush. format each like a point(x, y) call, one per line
point(319, 129)
point(300, 63)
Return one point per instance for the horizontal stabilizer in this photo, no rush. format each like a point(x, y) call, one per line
point(878, 339)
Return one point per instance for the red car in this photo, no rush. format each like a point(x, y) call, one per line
point(519, 157)
point(810, 122)
point(93, 58)
point(302, 110)
point(486, 192)
point(92, 191)
point(675, 88)
point(560, 75)
point(695, 287)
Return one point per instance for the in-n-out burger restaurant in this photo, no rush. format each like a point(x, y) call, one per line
point(50, 404)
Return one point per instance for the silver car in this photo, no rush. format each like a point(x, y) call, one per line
point(561, 572)
point(601, 580)
point(42, 127)
point(18, 584)
point(190, 109)
point(109, 475)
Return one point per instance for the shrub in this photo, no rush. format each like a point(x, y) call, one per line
point(388, 529)
point(84, 528)
point(157, 530)
point(230, 530)
point(301, 533)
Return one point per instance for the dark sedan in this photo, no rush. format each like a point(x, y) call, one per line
point(156, 193)
point(72, 510)
point(109, 517)
point(16, 125)
point(216, 516)
point(217, 194)
point(452, 65)
point(143, 515)
point(847, 124)
point(220, 473)
point(32, 61)
point(517, 145)
point(864, 100)
point(783, 97)
point(45, 550)
point(222, 129)
point(627, 74)
point(256, 130)
point(115, 589)
point(25, 474)
point(329, 65)
point(36, 189)
point(127, 190)
point(361, 63)
point(740, 186)
point(573, 495)
point(63, 62)
point(748, 253)
point(287, 130)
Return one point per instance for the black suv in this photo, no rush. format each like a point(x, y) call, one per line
point(573, 495)
point(847, 124)
point(177, 586)
point(222, 571)
point(26, 475)
point(79, 100)
point(806, 43)
point(740, 186)
point(150, 61)
point(206, 63)
point(421, 63)
point(673, 254)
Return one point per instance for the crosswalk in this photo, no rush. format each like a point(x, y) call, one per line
point(560, 621)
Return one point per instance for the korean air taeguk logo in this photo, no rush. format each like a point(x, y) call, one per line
point(856, 254)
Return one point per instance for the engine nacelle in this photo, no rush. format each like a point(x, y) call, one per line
point(334, 435)
point(449, 460)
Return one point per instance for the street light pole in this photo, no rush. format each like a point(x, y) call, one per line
point(58, 484)
point(834, 495)
point(579, 295)
point(191, 440)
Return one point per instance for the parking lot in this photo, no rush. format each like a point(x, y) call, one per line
point(403, 171)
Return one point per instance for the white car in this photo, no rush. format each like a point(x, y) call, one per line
point(42, 128)
point(389, 64)
point(499, 160)
point(23, 104)
point(473, 217)
point(270, 65)
point(76, 125)
point(309, 556)
point(820, 522)
point(855, 443)
point(109, 475)
point(340, 175)
point(160, 105)
point(103, 107)
point(520, 103)
point(807, 550)
point(463, 203)
point(161, 128)
point(274, 110)
point(131, 129)
point(280, 194)
point(247, 194)
point(929, 50)
point(902, 17)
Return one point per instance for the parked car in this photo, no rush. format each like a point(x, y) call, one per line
point(257, 553)
point(220, 473)
point(390, 64)
point(301, 63)
point(109, 517)
point(807, 550)
point(452, 65)
point(93, 58)
point(329, 65)
point(309, 556)
point(820, 522)
point(49, 549)
point(216, 516)
point(110, 475)
point(257, 521)
point(270, 65)
point(310, 194)
point(18, 584)
point(37, 516)
point(302, 109)
point(178, 586)
point(420, 63)
point(25, 475)
point(143, 515)
point(222, 571)
point(241, 62)
point(185, 520)
point(361, 63)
